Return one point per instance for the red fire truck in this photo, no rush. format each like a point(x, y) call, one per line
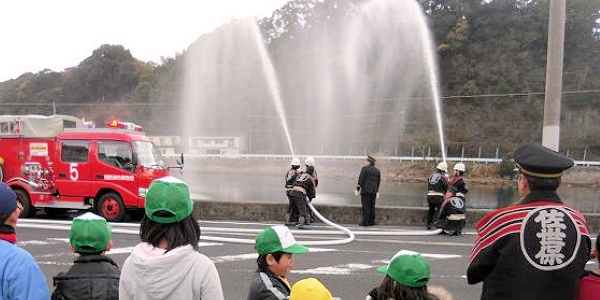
point(57, 164)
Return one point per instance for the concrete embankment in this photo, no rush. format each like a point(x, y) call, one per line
point(402, 216)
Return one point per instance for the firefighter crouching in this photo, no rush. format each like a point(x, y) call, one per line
point(303, 190)
point(453, 209)
point(452, 214)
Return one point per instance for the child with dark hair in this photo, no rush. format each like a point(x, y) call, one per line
point(167, 264)
point(589, 284)
point(406, 278)
point(276, 247)
point(93, 275)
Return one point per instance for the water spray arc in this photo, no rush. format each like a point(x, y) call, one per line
point(431, 62)
point(273, 84)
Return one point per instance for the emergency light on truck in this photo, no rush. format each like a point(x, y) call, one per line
point(115, 123)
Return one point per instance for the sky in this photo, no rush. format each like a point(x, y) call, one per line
point(58, 34)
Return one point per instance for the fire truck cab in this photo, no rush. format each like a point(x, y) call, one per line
point(56, 164)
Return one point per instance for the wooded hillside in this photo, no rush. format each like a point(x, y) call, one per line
point(491, 56)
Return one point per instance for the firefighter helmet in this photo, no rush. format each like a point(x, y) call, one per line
point(295, 161)
point(310, 161)
point(460, 167)
point(443, 166)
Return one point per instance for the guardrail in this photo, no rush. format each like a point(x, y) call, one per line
point(483, 160)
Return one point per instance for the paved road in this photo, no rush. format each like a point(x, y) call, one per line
point(348, 270)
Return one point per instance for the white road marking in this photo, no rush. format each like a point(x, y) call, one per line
point(425, 243)
point(249, 256)
point(335, 270)
point(429, 255)
point(33, 243)
point(55, 263)
point(234, 258)
point(64, 240)
point(441, 256)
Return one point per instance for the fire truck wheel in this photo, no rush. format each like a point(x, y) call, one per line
point(23, 197)
point(111, 207)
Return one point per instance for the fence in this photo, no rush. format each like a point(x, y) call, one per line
point(482, 160)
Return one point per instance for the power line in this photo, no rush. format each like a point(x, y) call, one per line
point(133, 104)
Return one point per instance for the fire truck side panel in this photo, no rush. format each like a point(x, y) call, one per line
point(114, 168)
point(72, 169)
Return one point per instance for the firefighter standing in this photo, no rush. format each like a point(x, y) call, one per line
point(368, 186)
point(303, 190)
point(310, 162)
point(291, 216)
point(437, 186)
point(458, 185)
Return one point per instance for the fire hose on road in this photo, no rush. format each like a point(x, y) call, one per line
point(133, 228)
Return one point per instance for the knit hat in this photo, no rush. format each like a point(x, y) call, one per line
point(277, 238)
point(408, 268)
point(8, 201)
point(170, 195)
point(310, 289)
point(90, 233)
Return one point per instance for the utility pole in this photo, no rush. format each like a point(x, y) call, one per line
point(554, 71)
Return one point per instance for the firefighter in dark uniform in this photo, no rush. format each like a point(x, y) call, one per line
point(303, 190)
point(310, 162)
point(457, 184)
point(437, 186)
point(368, 186)
point(291, 216)
point(452, 214)
point(538, 248)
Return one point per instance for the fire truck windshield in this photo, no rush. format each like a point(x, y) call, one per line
point(148, 156)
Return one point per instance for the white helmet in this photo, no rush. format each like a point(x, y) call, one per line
point(295, 161)
point(443, 166)
point(460, 167)
point(310, 161)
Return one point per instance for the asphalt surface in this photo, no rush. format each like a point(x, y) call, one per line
point(348, 270)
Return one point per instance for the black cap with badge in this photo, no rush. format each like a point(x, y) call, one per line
point(537, 161)
point(371, 159)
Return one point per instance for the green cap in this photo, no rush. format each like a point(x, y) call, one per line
point(277, 238)
point(171, 195)
point(408, 268)
point(90, 233)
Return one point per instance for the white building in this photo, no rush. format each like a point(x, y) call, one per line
point(219, 145)
point(167, 144)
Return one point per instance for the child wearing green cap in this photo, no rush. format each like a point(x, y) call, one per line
point(276, 247)
point(166, 264)
point(93, 274)
point(407, 275)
